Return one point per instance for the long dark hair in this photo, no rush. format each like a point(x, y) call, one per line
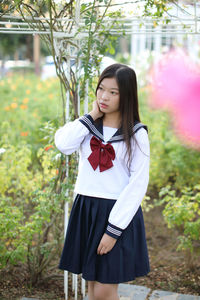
point(129, 109)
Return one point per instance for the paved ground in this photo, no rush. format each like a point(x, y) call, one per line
point(136, 292)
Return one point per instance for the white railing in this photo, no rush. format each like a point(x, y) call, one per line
point(184, 19)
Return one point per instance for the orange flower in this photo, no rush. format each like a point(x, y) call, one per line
point(48, 147)
point(28, 92)
point(5, 7)
point(24, 133)
point(39, 86)
point(7, 108)
point(26, 100)
point(22, 106)
point(57, 171)
point(34, 115)
point(14, 105)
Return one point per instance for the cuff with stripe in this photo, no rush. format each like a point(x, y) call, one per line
point(113, 231)
point(87, 120)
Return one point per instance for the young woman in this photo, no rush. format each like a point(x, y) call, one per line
point(105, 239)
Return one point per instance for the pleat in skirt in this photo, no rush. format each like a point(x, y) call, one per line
point(87, 223)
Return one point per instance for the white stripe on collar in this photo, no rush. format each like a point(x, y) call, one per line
point(89, 123)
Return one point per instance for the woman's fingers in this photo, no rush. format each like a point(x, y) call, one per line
point(102, 251)
point(106, 244)
point(96, 113)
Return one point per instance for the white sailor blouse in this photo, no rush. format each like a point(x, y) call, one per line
point(103, 167)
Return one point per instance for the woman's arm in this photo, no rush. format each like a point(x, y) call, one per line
point(131, 197)
point(69, 137)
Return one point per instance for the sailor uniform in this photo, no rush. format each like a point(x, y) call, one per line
point(109, 195)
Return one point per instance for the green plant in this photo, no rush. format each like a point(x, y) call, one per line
point(31, 206)
point(27, 104)
point(182, 210)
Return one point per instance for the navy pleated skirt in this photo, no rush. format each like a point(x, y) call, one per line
point(87, 223)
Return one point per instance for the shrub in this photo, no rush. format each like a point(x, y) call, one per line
point(31, 207)
point(182, 211)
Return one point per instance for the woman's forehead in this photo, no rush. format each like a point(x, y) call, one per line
point(110, 83)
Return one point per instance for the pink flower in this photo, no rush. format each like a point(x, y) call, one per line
point(176, 88)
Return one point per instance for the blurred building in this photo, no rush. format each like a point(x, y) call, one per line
point(180, 26)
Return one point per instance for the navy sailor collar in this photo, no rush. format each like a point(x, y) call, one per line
point(96, 128)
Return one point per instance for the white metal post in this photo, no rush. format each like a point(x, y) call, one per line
point(157, 40)
point(86, 97)
point(66, 272)
point(134, 42)
point(75, 285)
point(67, 160)
point(142, 43)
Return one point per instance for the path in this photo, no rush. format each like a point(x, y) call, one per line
point(136, 292)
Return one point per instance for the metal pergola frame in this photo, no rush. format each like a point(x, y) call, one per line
point(176, 26)
point(184, 20)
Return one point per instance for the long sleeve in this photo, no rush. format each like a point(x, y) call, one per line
point(131, 197)
point(69, 137)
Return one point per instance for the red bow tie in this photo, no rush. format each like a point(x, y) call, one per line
point(101, 155)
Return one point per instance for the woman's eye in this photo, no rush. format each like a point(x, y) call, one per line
point(113, 93)
point(100, 88)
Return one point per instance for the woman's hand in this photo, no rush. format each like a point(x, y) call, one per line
point(96, 113)
point(106, 244)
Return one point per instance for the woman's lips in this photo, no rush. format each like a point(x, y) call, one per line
point(102, 105)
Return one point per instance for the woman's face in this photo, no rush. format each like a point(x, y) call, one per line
point(108, 96)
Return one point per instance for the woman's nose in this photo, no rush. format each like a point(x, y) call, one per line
point(105, 95)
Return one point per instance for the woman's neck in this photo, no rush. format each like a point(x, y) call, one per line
point(112, 120)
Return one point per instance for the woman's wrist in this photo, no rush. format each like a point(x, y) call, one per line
point(94, 115)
